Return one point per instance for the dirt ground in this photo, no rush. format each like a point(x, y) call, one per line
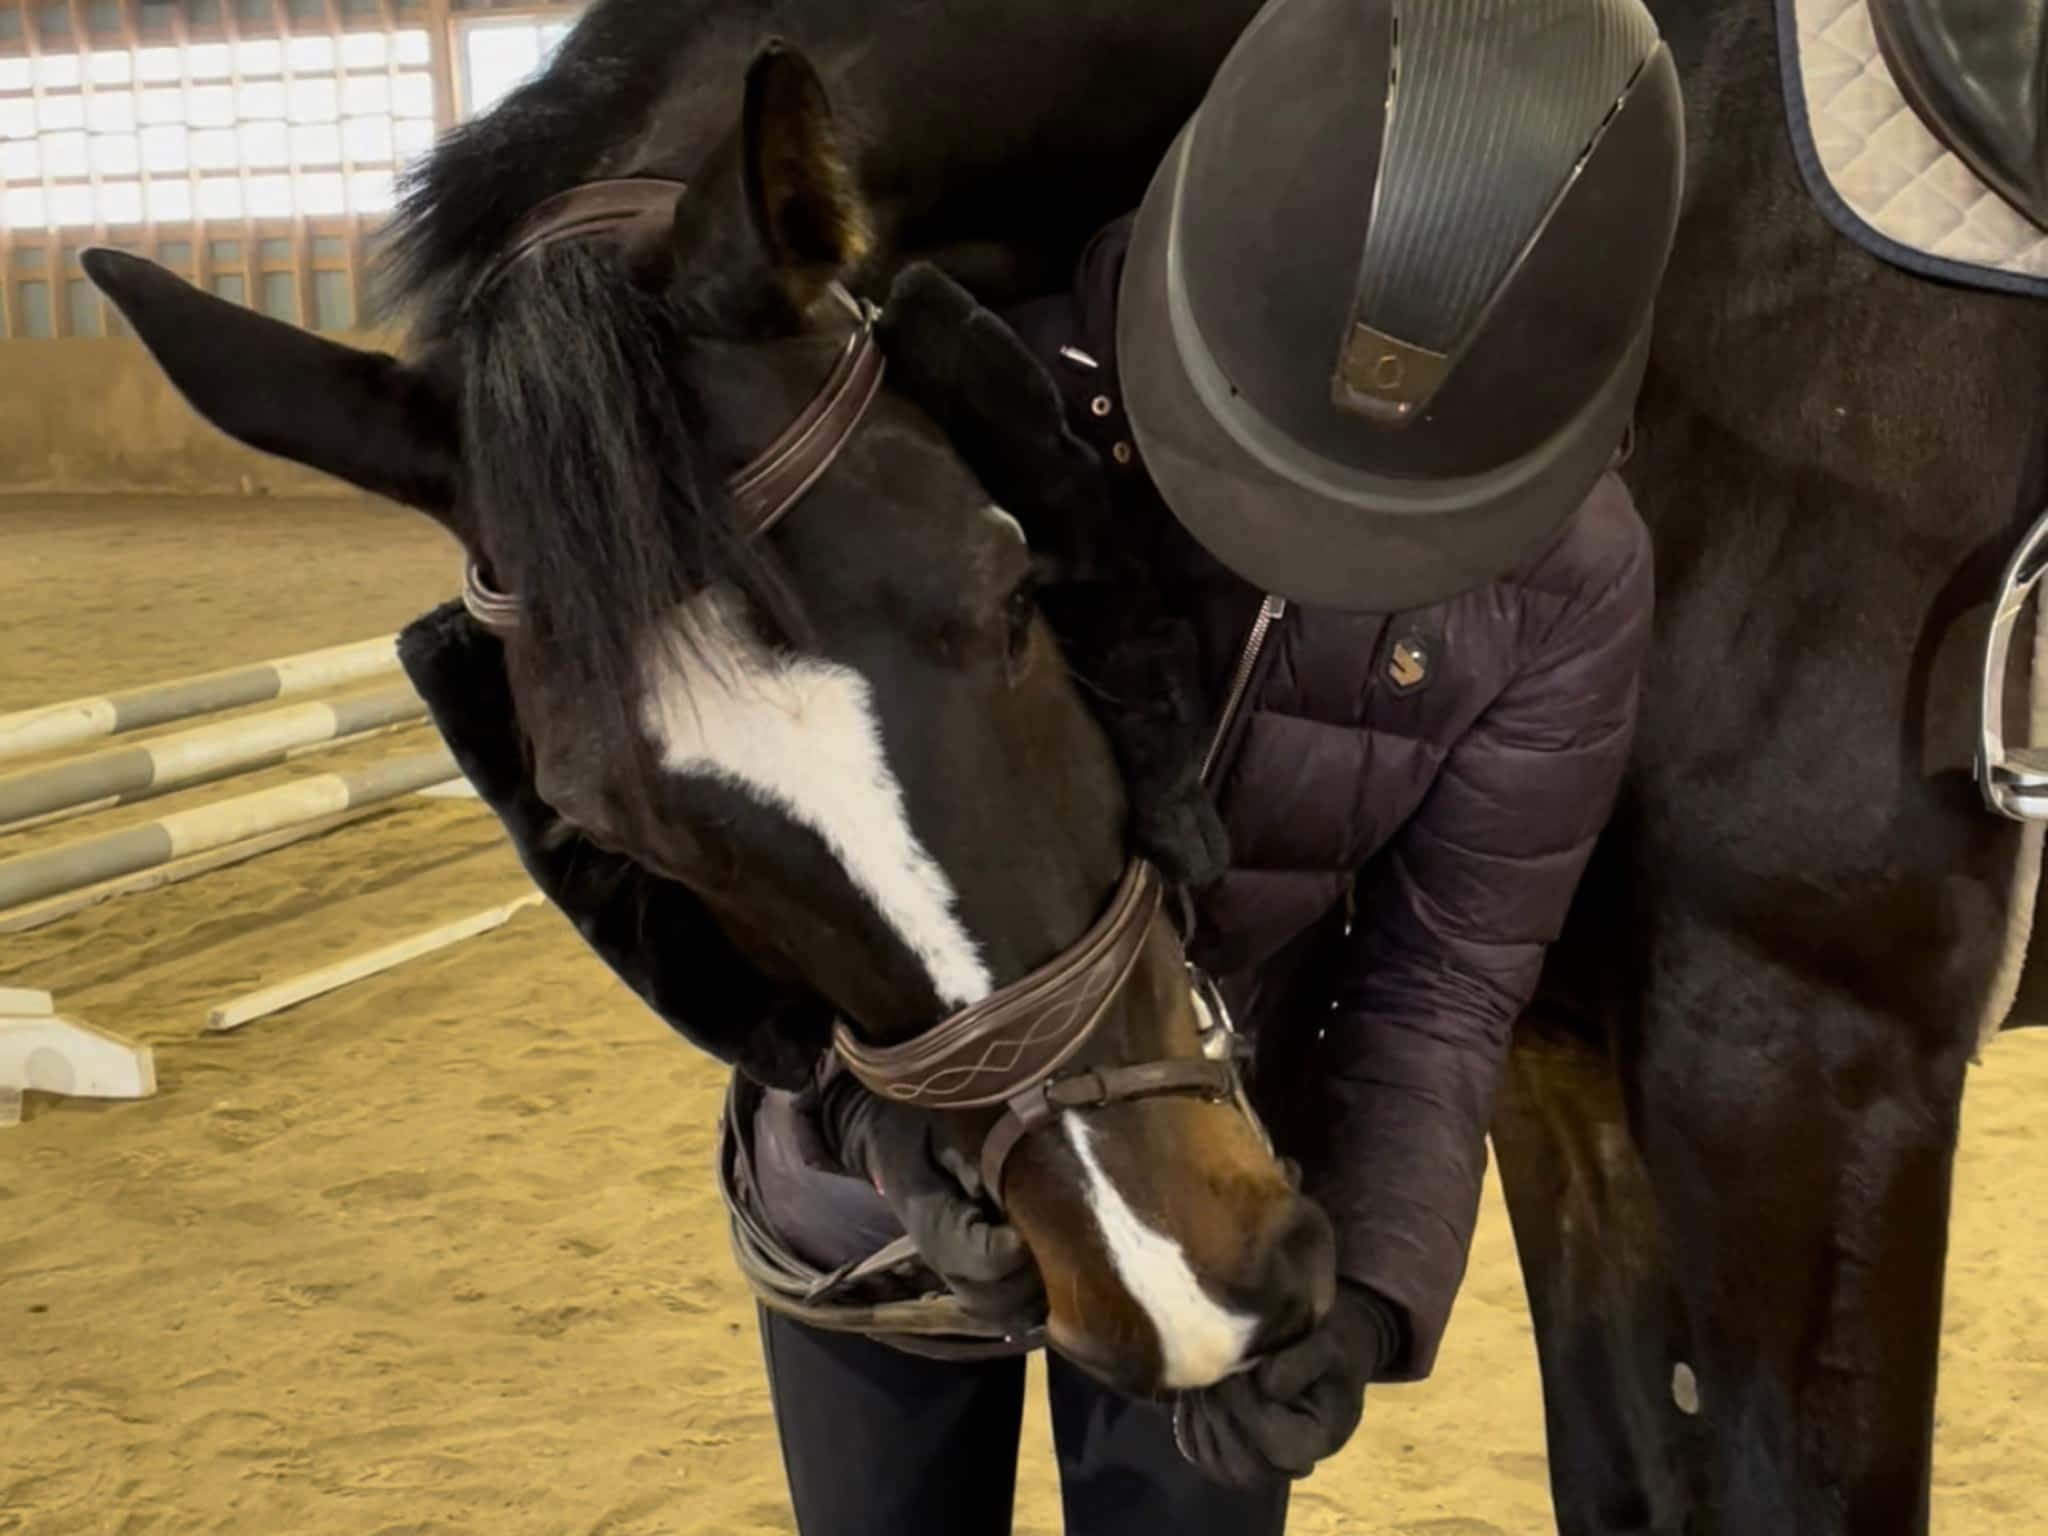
point(441, 1252)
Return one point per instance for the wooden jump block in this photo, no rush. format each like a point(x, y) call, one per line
point(55, 1055)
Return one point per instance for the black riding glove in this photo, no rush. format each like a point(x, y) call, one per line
point(931, 1190)
point(1296, 1406)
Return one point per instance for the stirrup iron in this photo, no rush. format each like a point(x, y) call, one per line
point(2013, 780)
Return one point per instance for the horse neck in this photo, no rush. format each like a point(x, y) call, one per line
point(1836, 379)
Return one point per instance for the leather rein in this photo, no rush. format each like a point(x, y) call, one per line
point(1009, 1048)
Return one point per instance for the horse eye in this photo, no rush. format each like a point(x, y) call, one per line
point(1021, 609)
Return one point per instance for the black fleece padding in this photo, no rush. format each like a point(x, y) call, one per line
point(654, 933)
point(1138, 661)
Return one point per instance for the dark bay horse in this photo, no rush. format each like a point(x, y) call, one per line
point(1729, 1126)
point(1728, 1137)
point(853, 739)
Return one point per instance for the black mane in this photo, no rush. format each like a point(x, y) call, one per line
point(587, 486)
point(590, 480)
point(458, 204)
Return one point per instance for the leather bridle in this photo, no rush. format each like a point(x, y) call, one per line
point(1009, 1048)
point(631, 208)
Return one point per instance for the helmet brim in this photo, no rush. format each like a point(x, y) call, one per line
point(1297, 525)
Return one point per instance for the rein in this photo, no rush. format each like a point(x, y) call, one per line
point(1008, 1048)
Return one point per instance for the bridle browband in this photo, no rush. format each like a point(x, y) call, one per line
point(780, 475)
point(1008, 1049)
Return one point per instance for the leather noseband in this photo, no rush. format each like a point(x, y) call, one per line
point(1007, 1048)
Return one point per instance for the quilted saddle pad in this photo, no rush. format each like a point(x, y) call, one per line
point(1876, 171)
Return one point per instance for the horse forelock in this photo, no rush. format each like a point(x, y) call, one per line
point(590, 484)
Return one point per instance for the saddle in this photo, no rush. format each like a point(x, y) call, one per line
point(1975, 73)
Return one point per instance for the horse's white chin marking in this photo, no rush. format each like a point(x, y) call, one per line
point(1200, 1342)
point(801, 735)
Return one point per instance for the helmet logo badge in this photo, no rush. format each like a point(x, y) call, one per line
point(1383, 377)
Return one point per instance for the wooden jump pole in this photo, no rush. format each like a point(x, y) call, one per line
point(328, 978)
point(121, 774)
point(31, 876)
point(54, 909)
point(75, 720)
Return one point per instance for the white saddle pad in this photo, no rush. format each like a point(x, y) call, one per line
point(1880, 176)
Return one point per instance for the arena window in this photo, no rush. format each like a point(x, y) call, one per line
point(250, 145)
point(497, 54)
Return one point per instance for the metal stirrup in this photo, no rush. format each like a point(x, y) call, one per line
point(2013, 780)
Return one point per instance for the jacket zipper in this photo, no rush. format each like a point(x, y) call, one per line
point(1271, 610)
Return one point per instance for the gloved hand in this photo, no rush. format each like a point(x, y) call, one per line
point(1296, 1406)
point(932, 1191)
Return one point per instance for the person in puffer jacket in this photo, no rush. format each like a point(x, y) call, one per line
point(1371, 429)
point(1358, 384)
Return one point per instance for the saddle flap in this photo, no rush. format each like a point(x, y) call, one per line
point(1976, 74)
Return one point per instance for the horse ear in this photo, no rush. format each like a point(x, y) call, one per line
point(363, 417)
point(801, 208)
point(801, 195)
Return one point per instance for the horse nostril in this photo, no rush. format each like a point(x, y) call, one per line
point(1300, 1274)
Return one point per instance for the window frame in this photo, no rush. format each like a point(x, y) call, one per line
point(39, 267)
point(461, 23)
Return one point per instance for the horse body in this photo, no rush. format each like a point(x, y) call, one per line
point(1729, 1131)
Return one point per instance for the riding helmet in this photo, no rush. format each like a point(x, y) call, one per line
point(1387, 303)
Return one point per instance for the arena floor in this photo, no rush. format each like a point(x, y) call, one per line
point(441, 1252)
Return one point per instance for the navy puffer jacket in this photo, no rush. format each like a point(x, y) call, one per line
point(1411, 800)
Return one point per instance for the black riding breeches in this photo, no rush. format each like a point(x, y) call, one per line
point(877, 1442)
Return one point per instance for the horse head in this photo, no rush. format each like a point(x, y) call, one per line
point(853, 737)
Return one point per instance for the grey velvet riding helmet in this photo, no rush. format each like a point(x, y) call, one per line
point(1387, 303)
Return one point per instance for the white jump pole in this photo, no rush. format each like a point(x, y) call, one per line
point(195, 756)
point(54, 909)
point(328, 978)
point(31, 876)
point(62, 725)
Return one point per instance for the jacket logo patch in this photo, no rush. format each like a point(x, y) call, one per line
point(1408, 664)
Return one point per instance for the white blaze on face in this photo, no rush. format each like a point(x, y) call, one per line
point(1007, 522)
point(1200, 1341)
point(801, 736)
